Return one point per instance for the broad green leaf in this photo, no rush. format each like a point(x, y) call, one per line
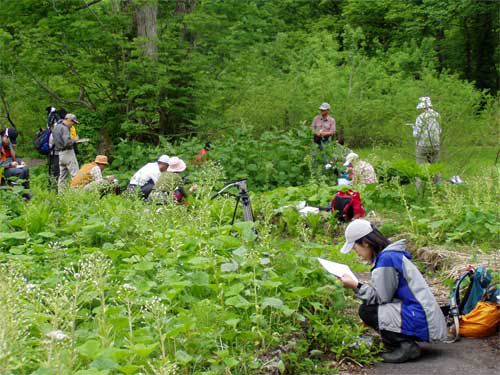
point(92, 371)
point(228, 267)
point(270, 284)
point(129, 369)
point(46, 234)
point(241, 251)
point(103, 364)
point(275, 303)
point(234, 289)
point(301, 291)
point(200, 278)
point(237, 301)
point(5, 236)
point(232, 322)
point(143, 350)
point(44, 371)
point(281, 366)
point(144, 266)
point(90, 349)
point(183, 357)
point(231, 362)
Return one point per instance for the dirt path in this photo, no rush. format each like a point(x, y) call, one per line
point(466, 356)
point(35, 162)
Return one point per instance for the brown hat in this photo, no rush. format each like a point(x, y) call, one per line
point(101, 159)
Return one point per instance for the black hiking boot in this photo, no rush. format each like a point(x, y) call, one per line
point(407, 351)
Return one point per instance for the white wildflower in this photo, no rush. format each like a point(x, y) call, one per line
point(129, 287)
point(57, 335)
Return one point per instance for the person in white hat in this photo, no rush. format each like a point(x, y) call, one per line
point(362, 171)
point(145, 178)
point(397, 301)
point(323, 126)
point(426, 132)
point(171, 181)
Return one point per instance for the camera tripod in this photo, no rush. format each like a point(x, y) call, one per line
point(241, 196)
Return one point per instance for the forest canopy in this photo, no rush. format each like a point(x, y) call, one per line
point(176, 68)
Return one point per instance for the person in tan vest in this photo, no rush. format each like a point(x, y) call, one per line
point(90, 175)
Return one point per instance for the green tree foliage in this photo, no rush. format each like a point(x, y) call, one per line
point(145, 68)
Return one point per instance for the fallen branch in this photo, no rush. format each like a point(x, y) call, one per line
point(6, 108)
point(87, 5)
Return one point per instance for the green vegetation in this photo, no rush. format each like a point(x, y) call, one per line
point(114, 285)
point(109, 285)
point(88, 285)
point(141, 69)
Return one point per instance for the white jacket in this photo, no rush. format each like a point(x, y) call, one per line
point(150, 171)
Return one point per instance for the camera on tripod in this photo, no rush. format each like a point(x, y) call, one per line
point(242, 196)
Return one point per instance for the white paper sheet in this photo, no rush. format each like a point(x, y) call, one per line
point(337, 269)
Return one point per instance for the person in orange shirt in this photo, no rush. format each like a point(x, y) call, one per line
point(90, 177)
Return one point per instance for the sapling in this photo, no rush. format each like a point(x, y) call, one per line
point(97, 266)
point(125, 293)
point(155, 313)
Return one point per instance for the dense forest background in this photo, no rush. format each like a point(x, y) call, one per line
point(147, 69)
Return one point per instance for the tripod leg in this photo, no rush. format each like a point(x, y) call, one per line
point(235, 209)
point(247, 208)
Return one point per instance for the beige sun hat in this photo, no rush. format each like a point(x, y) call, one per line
point(176, 164)
point(101, 159)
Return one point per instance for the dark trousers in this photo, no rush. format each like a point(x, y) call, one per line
point(320, 141)
point(53, 171)
point(369, 315)
point(17, 176)
point(145, 190)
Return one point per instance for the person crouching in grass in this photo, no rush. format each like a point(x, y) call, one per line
point(397, 302)
point(90, 178)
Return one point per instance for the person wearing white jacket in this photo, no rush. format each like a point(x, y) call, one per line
point(145, 178)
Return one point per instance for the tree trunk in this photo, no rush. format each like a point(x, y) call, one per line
point(5, 106)
point(441, 56)
point(468, 51)
point(168, 123)
point(105, 142)
point(183, 7)
point(146, 21)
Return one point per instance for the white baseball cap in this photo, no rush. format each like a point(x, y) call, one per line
point(354, 231)
point(324, 106)
point(163, 159)
point(350, 158)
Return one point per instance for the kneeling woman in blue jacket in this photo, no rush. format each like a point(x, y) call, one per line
point(397, 302)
